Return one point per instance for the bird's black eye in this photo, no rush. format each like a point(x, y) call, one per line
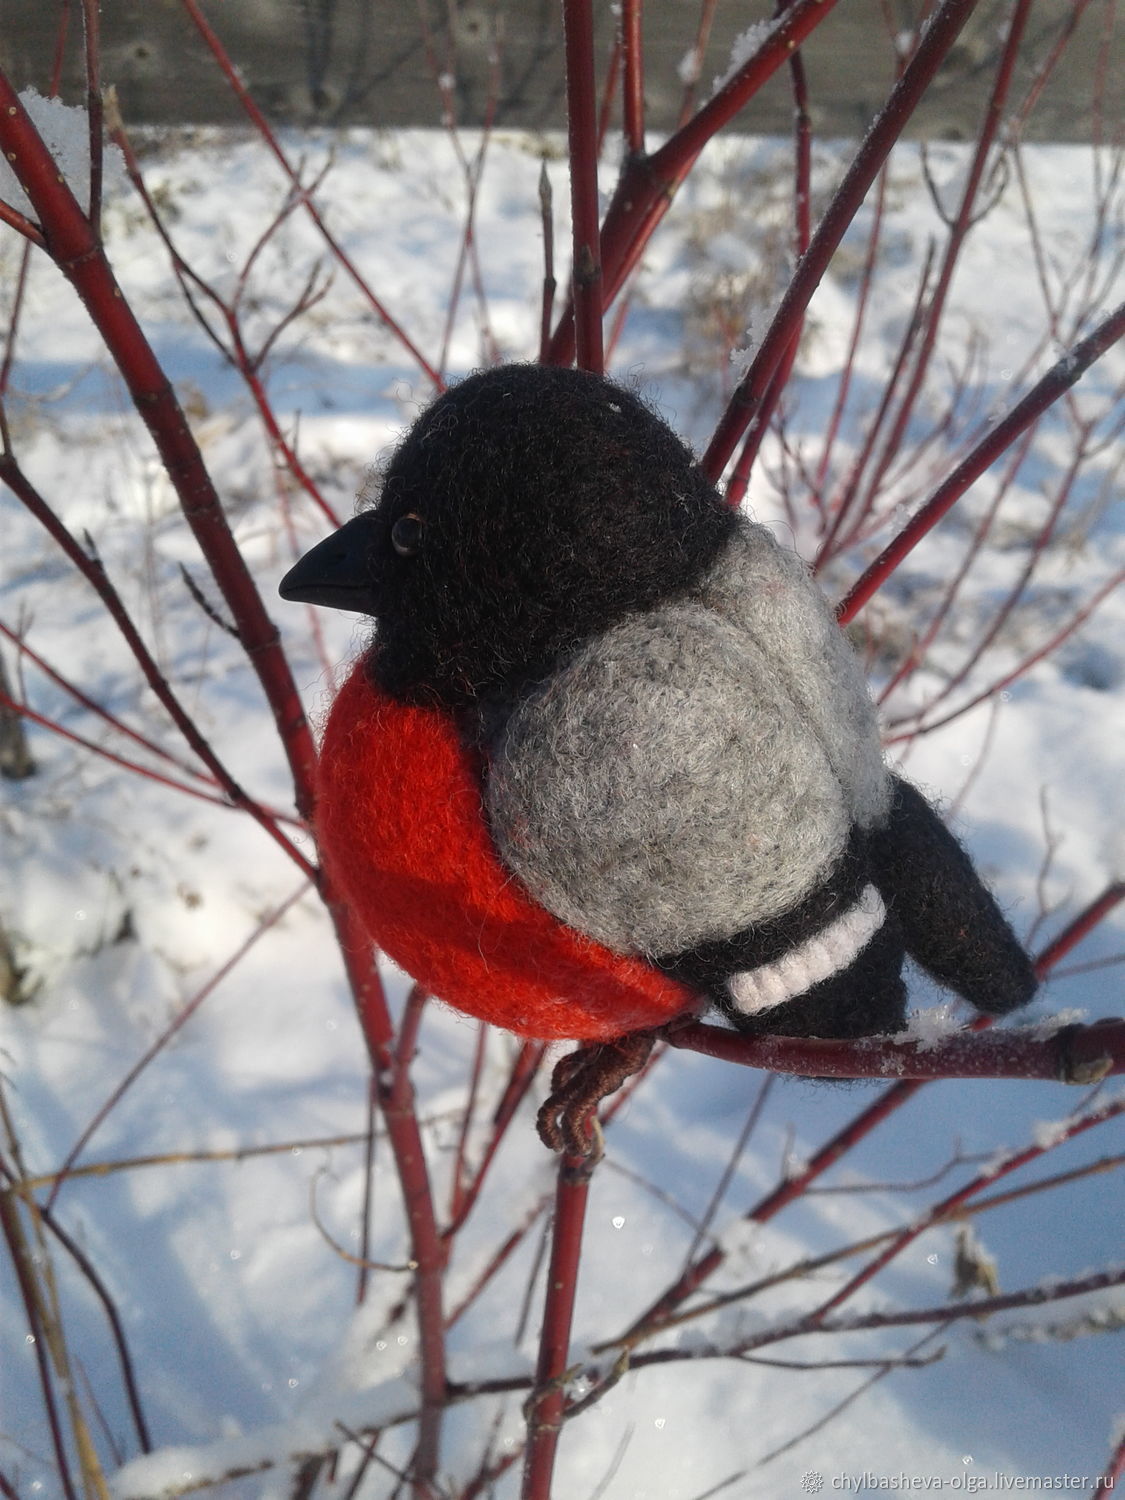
point(406, 535)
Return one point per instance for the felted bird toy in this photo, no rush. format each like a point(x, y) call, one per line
point(609, 757)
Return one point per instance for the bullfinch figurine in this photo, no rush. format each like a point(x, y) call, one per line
point(609, 758)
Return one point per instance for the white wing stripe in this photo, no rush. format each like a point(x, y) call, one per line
point(826, 953)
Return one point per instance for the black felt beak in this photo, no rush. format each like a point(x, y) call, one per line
point(335, 572)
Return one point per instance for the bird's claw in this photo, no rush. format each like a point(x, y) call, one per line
point(568, 1120)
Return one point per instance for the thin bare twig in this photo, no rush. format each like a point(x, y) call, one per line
point(181, 1018)
point(884, 132)
point(1059, 378)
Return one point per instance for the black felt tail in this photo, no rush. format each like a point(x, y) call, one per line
point(950, 923)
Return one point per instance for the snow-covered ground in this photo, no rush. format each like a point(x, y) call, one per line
point(126, 899)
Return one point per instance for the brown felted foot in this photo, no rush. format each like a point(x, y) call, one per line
point(582, 1079)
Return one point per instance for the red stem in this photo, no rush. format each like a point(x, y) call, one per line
point(262, 125)
point(366, 1212)
point(917, 653)
point(698, 48)
point(983, 1307)
point(14, 315)
point(178, 1022)
point(282, 447)
point(648, 184)
point(118, 760)
point(548, 1399)
point(497, 1261)
point(396, 1098)
point(59, 58)
point(546, 210)
point(999, 1054)
point(633, 93)
point(1111, 586)
point(95, 574)
point(72, 245)
point(958, 232)
point(582, 137)
point(617, 327)
point(26, 1279)
point(1078, 928)
point(787, 1190)
point(885, 131)
point(842, 507)
point(113, 1317)
point(802, 225)
point(609, 93)
point(1059, 378)
point(22, 224)
point(1042, 77)
point(442, 74)
point(458, 1174)
point(867, 276)
point(524, 1069)
point(80, 257)
point(91, 42)
point(969, 1190)
point(25, 257)
point(236, 354)
point(1111, 1473)
point(93, 707)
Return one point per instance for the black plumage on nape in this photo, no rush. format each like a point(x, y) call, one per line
point(512, 552)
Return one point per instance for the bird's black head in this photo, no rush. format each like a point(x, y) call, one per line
point(527, 509)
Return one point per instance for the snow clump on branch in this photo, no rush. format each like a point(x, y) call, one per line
point(743, 48)
point(66, 134)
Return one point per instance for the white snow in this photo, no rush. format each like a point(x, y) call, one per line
point(66, 134)
point(1049, 1133)
point(743, 48)
point(929, 1028)
point(687, 70)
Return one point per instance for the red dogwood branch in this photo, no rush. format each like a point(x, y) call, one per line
point(633, 88)
point(946, 1312)
point(547, 1401)
point(428, 1251)
point(1073, 1054)
point(582, 135)
point(231, 73)
point(648, 183)
point(90, 704)
point(959, 230)
point(199, 792)
point(1111, 1473)
point(942, 1211)
point(71, 243)
point(886, 130)
point(802, 229)
point(1058, 379)
point(91, 568)
point(73, 246)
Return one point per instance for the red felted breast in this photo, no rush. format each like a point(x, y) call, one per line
point(401, 830)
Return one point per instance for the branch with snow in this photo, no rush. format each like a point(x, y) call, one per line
point(1073, 1053)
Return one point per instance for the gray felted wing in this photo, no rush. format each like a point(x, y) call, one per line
point(687, 774)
